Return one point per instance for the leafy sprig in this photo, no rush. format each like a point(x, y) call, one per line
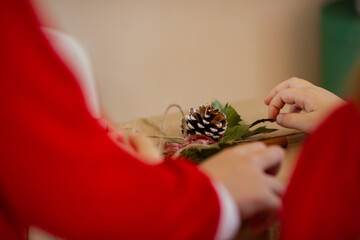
point(236, 128)
point(236, 131)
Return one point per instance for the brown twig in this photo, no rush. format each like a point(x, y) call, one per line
point(191, 145)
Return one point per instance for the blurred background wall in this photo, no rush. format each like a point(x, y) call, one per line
point(148, 54)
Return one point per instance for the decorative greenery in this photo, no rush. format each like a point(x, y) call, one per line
point(198, 155)
point(236, 132)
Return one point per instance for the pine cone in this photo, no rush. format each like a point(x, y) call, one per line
point(205, 121)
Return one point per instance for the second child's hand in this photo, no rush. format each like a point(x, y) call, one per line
point(309, 104)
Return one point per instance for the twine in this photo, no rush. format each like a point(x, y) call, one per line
point(162, 137)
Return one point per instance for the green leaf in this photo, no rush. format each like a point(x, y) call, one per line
point(232, 117)
point(236, 132)
point(217, 104)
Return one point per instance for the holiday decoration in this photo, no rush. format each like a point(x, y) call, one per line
point(205, 121)
point(210, 129)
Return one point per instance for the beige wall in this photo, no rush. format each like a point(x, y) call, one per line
point(151, 53)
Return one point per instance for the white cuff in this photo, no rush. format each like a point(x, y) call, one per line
point(229, 220)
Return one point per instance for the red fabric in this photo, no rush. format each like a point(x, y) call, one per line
point(323, 198)
point(61, 172)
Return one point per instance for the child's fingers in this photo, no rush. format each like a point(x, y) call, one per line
point(144, 148)
point(290, 83)
point(288, 96)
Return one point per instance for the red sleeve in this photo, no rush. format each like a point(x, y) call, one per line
point(60, 171)
point(323, 198)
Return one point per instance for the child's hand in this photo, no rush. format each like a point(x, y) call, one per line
point(138, 145)
point(144, 149)
point(244, 171)
point(316, 103)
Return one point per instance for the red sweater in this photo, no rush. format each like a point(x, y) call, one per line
point(61, 172)
point(323, 197)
